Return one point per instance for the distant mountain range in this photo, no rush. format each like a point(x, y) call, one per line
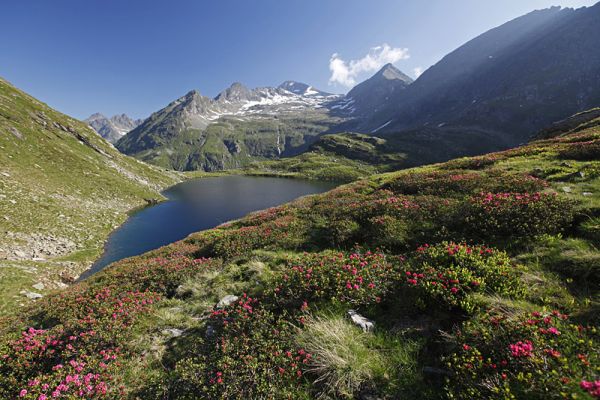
point(241, 124)
point(233, 128)
point(113, 128)
point(488, 94)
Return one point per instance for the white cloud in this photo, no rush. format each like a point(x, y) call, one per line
point(418, 71)
point(345, 72)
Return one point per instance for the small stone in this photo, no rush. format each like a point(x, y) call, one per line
point(20, 254)
point(32, 295)
point(39, 286)
point(587, 194)
point(210, 331)
point(364, 323)
point(173, 332)
point(227, 301)
point(6, 174)
point(567, 189)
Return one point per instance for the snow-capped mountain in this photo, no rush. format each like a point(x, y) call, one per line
point(197, 131)
point(241, 124)
point(237, 101)
point(302, 89)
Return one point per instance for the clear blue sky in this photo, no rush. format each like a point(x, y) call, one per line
point(135, 56)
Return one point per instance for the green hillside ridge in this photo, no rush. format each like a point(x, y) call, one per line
point(227, 143)
point(480, 274)
point(346, 157)
point(63, 189)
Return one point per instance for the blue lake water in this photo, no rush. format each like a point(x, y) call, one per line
point(196, 205)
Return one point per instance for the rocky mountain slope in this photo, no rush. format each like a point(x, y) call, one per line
point(238, 125)
point(113, 128)
point(507, 83)
point(372, 95)
point(473, 279)
point(488, 94)
point(63, 189)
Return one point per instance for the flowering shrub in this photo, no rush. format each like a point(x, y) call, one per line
point(353, 278)
point(445, 275)
point(536, 356)
point(509, 215)
point(452, 183)
point(479, 162)
point(83, 334)
point(582, 151)
point(248, 354)
point(231, 241)
point(162, 273)
point(73, 360)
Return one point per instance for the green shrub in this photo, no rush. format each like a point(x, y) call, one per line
point(590, 229)
point(453, 183)
point(501, 216)
point(446, 275)
point(247, 353)
point(582, 151)
point(358, 278)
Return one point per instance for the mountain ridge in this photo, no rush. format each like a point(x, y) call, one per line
point(113, 128)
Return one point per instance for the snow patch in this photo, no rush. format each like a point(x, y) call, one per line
point(382, 126)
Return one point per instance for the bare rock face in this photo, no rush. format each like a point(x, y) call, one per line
point(40, 247)
point(362, 322)
point(113, 128)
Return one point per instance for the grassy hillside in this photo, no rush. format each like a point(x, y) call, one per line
point(228, 143)
point(481, 277)
point(63, 189)
point(346, 157)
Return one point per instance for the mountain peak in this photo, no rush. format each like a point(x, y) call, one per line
point(236, 92)
point(95, 116)
point(301, 88)
point(113, 128)
point(294, 87)
point(390, 72)
point(192, 93)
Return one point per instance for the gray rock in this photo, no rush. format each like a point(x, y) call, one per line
point(173, 332)
point(39, 286)
point(227, 301)
point(20, 254)
point(31, 295)
point(575, 175)
point(16, 132)
point(210, 331)
point(586, 194)
point(364, 323)
point(567, 189)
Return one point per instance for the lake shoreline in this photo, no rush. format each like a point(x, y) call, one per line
point(297, 187)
